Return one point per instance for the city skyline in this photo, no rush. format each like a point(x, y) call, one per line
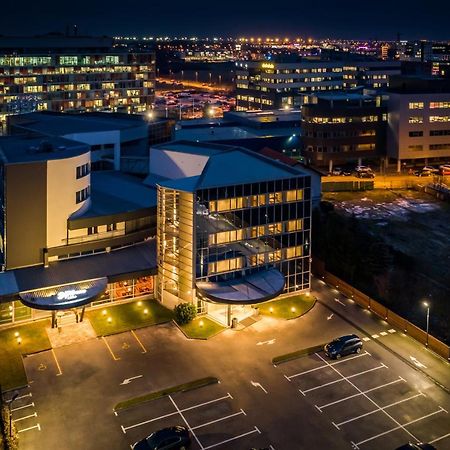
point(354, 21)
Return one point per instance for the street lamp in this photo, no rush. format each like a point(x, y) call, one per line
point(427, 305)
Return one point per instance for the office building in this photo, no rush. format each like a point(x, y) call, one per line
point(73, 74)
point(342, 128)
point(418, 120)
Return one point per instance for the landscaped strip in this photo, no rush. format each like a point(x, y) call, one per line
point(201, 328)
point(113, 319)
point(297, 354)
point(18, 341)
point(202, 382)
point(287, 307)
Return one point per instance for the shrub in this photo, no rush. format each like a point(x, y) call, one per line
point(185, 313)
point(8, 442)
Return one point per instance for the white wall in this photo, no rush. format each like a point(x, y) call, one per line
point(175, 165)
point(100, 138)
point(62, 185)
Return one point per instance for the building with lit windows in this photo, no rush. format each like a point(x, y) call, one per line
point(280, 83)
point(419, 120)
point(342, 128)
point(73, 74)
point(229, 237)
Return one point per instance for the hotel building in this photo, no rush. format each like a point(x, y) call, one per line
point(73, 74)
point(419, 120)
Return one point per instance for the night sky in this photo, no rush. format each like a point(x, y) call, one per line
point(371, 19)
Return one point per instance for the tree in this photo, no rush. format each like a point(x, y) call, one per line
point(185, 313)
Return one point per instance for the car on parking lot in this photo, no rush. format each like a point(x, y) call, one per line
point(340, 172)
point(343, 346)
point(171, 438)
point(418, 446)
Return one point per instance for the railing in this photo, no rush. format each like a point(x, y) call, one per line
point(381, 311)
point(93, 237)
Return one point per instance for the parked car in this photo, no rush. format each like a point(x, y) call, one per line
point(444, 170)
point(342, 346)
point(171, 438)
point(365, 174)
point(418, 446)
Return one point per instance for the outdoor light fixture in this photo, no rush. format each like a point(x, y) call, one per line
point(271, 309)
point(16, 334)
point(104, 312)
point(139, 303)
point(201, 323)
point(19, 340)
point(293, 309)
point(146, 311)
point(109, 320)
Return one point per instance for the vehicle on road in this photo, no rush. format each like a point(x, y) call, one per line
point(171, 438)
point(342, 346)
point(418, 446)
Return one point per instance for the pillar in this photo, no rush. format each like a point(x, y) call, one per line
point(53, 319)
point(330, 166)
point(359, 161)
point(229, 315)
point(399, 165)
point(82, 313)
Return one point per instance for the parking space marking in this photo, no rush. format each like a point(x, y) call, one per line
point(220, 420)
point(57, 364)
point(144, 350)
point(365, 338)
point(340, 380)
point(358, 394)
point(337, 425)
point(440, 438)
point(375, 336)
point(383, 333)
point(401, 426)
point(186, 422)
point(326, 365)
point(22, 407)
point(145, 422)
point(233, 438)
point(25, 417)
point(371, 400)
point(25, 396)
point(30, 428)
point(115, 358)
point(391, 330)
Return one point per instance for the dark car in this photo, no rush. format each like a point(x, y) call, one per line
point(418, 446)
point(343, 346)
point(172, 438)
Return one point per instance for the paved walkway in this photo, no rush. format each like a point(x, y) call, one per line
point(71, 334)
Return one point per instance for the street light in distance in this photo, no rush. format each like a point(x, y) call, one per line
point(427, 305)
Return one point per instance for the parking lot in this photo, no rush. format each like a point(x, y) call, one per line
point(367, 401)
point(212, 415)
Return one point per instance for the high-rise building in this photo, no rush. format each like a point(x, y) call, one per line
point(73, 74)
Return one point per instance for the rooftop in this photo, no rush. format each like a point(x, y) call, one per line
point(26, 148)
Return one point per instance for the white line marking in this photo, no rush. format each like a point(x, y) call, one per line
point(371, 400)
point(218, 420)
point(174, 413)
point(22, 407)
point(327, 365)
point(335, 425)
point(24, 396)
point(186, 422)
point(30, 428)
point(440, 438)
point(256, 384)
point(330, 316)
point(379, 409)
point(383, 333)
point(391, 330)
point(57, 364)
point(233, 438)
point(287, 378)
point(25, 417)
point(417, 363)
point(375, 336)
point(257, 429)
point(354, 446)
point(269, 342)
point(338, 301)
point(129, 380)
point(400, 426)
point(271, 447)
point(365, 339)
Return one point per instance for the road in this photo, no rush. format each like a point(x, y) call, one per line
point(378, 399)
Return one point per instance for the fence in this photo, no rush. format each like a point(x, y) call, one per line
point(381, 311)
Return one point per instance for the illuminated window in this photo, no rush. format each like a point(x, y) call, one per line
point(294, 195)
point(439, 119)
point(294, 225)
point(416, 119)
point(415, 148)
point(439, 105)
point(416, 105)
point(293, 252)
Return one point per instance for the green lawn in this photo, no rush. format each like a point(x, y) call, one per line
point(201, 328)
point(33, 338)
point(287, 308)
point(113, 319)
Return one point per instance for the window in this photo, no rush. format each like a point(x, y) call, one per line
point(294, 195)
point(83, 170)
point(83, 195)
point(416, 105)
point(92, 230)
point(293, 252)
point(416, 119)
point(440, 146)
point(439, 119)
point(439, 105)
point(440, 133)
point(111, 227)
point(294, 225)
point(415, 148)
point(415, 133)
point(225, 265)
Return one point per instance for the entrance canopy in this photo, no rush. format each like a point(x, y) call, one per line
point(66, 296)
point(254, 288)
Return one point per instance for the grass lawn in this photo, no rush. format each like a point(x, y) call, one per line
point(201, 328)
point(287, 308)
point(115, 319)
point(33, 339)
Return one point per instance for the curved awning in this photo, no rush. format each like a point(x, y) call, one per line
point(254, 288)
point(66, 296)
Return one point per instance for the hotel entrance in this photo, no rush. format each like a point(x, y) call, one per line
point(224, 314)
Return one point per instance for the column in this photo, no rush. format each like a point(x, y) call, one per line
point(330, 166)
point(399, 165)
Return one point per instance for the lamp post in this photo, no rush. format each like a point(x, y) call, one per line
point(427, 305)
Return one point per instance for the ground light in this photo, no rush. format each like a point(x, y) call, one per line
point(16, 334)
point(104, 312)
point(146, 311)
point(201, 323)
point(19, 340)
point(293, 309)
point(109, 320)
point(139, 303)
point(271, 310)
